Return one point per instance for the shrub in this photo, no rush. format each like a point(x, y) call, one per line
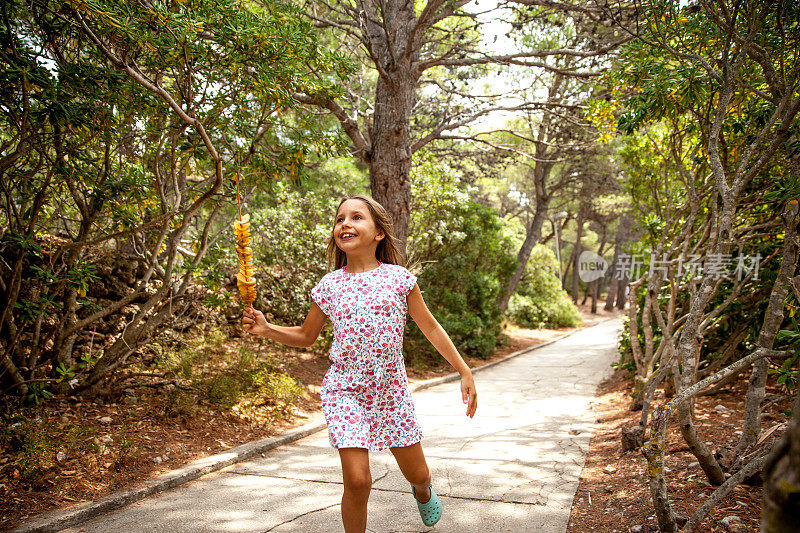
point(282, 390)
point(290, 230)
point(462, 260)
point(539, 301)
point(35, 443)
point(251, 383)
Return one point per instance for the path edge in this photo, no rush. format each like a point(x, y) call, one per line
point(59, 519)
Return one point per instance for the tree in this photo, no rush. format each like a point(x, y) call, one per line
point(781, 506)
point(402, 44)
point(119, 120)
point(726, 73)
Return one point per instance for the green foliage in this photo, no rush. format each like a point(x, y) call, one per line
point(24, 243)
point(104, 166)
point(37, 393)
point(81, 275)
point(539, 301)
point(601, 115)
point(465, 261)
point(625, 364)
point(278, 388)
point(626, 359)
point(247, 386)
point(241, 381)
point(787, 373)
point(291, 228)
point(30, 310)
point(124, 450)
point(249, 381)
point(181, 361)
point(176, 403)
point(34, 441)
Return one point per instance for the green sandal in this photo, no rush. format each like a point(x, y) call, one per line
point(430, 511)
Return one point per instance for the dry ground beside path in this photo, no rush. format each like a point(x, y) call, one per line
point(613, 495)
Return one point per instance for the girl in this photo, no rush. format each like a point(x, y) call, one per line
point(365, 396)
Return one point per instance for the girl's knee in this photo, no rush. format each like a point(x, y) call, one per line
point(420, 475)
point(355, 471)
point(358, 484)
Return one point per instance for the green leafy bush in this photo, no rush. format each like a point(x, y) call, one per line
point(34, 441)
point(787, 374)
point(253, 382)
point(281, 389)
point(290, 233)
point(539, 301)
point(462, 260)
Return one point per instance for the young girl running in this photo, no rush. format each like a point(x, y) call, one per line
point(365, 396)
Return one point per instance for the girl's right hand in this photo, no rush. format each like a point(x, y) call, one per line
point(253, 322)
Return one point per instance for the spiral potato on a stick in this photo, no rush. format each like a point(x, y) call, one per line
point(244, 279)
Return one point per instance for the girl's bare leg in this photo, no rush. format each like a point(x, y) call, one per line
point(412, 463)
point(357, 484)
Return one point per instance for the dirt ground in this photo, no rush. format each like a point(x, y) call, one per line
point(122, 443)
point(613, 494)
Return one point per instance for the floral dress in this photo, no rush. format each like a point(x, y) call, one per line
point(365, 395)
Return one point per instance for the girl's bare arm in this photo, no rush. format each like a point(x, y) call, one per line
point(253, 321)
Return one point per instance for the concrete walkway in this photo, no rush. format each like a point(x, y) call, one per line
point(513, 467)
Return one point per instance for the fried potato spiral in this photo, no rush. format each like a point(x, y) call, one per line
point(244, 279)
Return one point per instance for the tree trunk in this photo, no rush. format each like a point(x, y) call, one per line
point(611, 295)
point(780, 507)
point(769, 330)
point(622, 291)
point(576, 252)
point(616, 291)
point(532, 237)
point(598, 281)
point(541, 171)
point(390, 154)
point(766, 338)
point(653, 450)
point(390, 164)
point(690, 344)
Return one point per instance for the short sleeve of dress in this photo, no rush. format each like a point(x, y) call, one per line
point(321, 295)
point(406, 281)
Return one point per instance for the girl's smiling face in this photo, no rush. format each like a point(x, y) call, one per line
point(354, 227)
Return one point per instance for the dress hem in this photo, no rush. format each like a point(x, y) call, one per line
point(377, 449)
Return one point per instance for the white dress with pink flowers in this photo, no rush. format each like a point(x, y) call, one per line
point(365, 395)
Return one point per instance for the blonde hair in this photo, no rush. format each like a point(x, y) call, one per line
point(387, 250)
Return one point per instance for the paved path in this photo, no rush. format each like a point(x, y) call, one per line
point(513, 467)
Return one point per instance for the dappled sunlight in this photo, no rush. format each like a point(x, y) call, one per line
point(513, 467)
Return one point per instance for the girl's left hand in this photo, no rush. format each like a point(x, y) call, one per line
point(469, 394)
